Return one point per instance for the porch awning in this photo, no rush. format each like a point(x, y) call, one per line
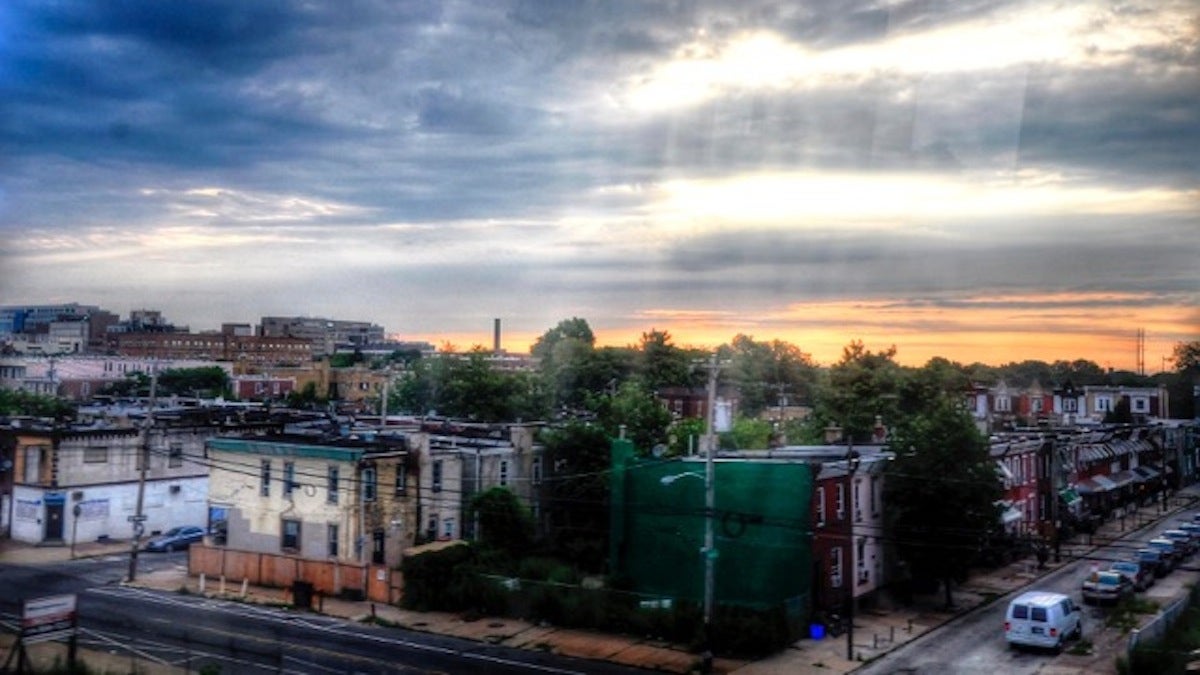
point(1124, 478)
point(1106, 481)
point(1148, 474)
point(1011, 515)
point(1087, 486)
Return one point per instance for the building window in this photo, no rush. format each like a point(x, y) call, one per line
point(537, 470)
point(821, 505)
point(1104, 404)
point(857, 501)
point(1070, 405)
point(448, 528)
point(431, 528)
point(841, 501)
point(874, 503)
point(331, 487)
point(1003, 404)
point(1140, 405)
point(835, 567)
point(289, 478)
point(368, 484)
point(436, 483)
point(95, 455)
point(1036, 405)
point(175, 455)
point(332, 537)
point(265, 487)
point(290, 541)
point(503, 473)
point(401, 479)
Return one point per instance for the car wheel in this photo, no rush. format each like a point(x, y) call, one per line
point(1078, 632)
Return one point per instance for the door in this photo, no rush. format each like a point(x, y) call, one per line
point(54, 521)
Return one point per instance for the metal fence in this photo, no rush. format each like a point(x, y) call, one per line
point(1156, 629)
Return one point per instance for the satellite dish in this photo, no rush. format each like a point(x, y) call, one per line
point(658, 450)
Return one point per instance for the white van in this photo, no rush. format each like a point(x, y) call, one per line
point(1042, 619)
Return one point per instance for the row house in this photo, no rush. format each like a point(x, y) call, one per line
point(81, 484)
point(346, 499)
point(491, 456)
point(1001, 407)
point(848, 553)
point(79, 378)
point(1018, 462)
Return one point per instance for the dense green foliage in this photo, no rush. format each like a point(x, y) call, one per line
point(504, 522)
point(577, 497)
point(203, 381)
point(21, 403)
point(941, 460)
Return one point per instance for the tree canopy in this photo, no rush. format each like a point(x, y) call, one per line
point(942, 462)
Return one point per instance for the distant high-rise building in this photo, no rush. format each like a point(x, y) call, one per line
point(325, 335)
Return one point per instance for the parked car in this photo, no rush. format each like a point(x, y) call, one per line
point(1042, 619)
point(175, 538)
point(1141, 575)
point(1154, 560)
point(1189, 527)
point(1187, 542)
point(1170, 550)
point(1107, 586)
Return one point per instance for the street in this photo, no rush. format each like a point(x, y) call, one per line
point(192, 632)
point(974, 642)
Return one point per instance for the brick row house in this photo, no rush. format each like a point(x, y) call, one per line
point(1001, 407)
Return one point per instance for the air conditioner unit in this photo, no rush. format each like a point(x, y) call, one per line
point(835, 580)
point(175, 489)
point(77, 496)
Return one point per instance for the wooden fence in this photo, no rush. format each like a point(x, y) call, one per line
point(328, 577)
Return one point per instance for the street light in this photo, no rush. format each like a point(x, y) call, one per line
point(709, 551)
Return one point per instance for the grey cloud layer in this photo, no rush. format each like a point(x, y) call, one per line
point(430, 112)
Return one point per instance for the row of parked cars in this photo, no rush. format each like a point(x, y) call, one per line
point(1154, 560)
point(1048, 619)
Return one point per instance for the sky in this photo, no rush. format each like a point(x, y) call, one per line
point(983, 181)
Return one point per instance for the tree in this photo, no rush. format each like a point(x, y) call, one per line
point(1186, 356)
point(639, 411)
point(942, 492)
point(578, 457)
point(505, 524)
point(747, 434)
point(18, 402)
point(861, 386)
point(568, 329)
point(204, 381)
point(768, 373)
point(662, 364)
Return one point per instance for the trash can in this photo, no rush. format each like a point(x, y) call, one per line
point(302, 594)
point(816, 631)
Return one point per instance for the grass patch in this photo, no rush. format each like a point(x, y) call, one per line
point(1125, 616)
point(1081, 648)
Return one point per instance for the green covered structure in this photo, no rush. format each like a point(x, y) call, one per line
point(762, 527)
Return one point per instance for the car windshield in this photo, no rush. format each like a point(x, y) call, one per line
point(173, 532)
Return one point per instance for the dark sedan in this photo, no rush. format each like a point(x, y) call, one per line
point(175, 539)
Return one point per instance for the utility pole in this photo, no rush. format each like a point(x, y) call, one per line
point(709, 552)
point(139, 519)
point(1055, 516)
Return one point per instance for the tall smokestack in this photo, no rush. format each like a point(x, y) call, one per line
point(496, 335)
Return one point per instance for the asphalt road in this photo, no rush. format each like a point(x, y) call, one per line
point(187, 630)
point(974, 643)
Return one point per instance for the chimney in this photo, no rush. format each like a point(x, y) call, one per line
point(496, 336)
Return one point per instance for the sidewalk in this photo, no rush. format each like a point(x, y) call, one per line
point(876, 631)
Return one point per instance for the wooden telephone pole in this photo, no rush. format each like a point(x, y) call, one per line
point(138, 519)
